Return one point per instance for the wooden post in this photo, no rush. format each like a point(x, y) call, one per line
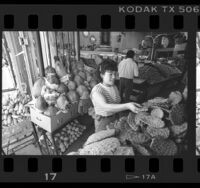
point(26, 58)
point(77, 45)
point(39, 54)
point(44, 49)
point(21, 76)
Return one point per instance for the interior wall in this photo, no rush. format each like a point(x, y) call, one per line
point(128, 41)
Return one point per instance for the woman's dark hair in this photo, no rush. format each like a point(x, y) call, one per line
point(108, 65)
point(130, 54)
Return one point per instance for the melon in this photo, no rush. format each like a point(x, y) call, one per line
point(38, 87)
point(80, 89)
point(89, 77)
point(78, 80)
point(72, 96)
point(49, 70)
point(71, 85)
point(51, 111)
point(157, 112)
point(82, 75)
point(41, 104)
point(62, 102)
point(52, 79)
point(175, 97)
point(62, 89)
point(85, 95)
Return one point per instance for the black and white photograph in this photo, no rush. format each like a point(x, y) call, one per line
point(198, 94)
point(96, 93)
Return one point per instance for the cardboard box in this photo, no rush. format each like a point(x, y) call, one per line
point(52, 123)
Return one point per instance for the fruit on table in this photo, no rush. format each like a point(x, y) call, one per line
point(68, 134)
point(157, 112)
point(51, 97)
point(15, 109)
point(79, 80)
point(82, 75)
point(175, 97)
point(41, 104)
point(72, 96)
point(62, 89)
point(62, 102)
point(52, 79)
point(85, 95)
point(88, 77)
point(51, 111)
point(71, 85)
point(80, 89)
point(38, 87)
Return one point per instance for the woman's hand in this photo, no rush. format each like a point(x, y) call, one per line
point(134, 107)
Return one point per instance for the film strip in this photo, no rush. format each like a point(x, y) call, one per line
point(18, 22)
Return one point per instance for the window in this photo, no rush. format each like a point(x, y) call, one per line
point(8, 77)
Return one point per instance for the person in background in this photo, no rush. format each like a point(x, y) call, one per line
point(127, 69)
point(106, 98)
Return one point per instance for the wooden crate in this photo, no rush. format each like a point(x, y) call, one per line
point(52, 123)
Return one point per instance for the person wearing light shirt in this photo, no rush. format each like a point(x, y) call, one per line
point(106, 99)
point(127, 70)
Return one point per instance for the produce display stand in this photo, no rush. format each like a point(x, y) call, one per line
point(51, 125)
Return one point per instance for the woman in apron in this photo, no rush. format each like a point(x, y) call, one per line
point(106, 98)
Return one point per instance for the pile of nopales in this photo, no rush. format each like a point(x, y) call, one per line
point(14, 109)
point(155, 73)
point(160, 130)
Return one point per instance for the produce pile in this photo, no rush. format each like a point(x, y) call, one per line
point(198, 124)
point(104, 142)
point(66, 136)
point(58, 90)
point(160, 130)
point(167, 69)
point(14, 109)
point(155, 73)
point(151, 74)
